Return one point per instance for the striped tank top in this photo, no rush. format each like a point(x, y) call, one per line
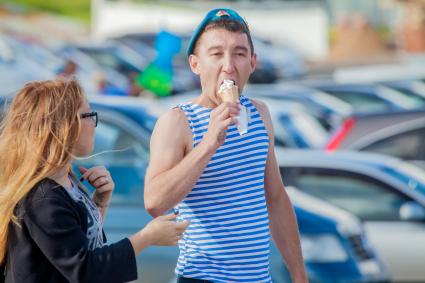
point(228, 239)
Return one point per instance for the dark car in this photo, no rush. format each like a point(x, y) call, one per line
point(400, 134)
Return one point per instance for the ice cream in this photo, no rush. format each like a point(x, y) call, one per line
point(229, 92)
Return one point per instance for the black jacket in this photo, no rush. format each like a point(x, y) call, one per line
point(51, 244)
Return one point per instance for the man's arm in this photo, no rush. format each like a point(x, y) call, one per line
point(173, 168)
point(283, 224)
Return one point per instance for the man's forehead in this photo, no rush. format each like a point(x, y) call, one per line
point(223, 38)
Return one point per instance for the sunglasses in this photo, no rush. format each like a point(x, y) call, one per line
point(91, 115)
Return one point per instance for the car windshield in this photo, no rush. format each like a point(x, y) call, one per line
point(403, 99)
point(363, 103)
point(109, 59)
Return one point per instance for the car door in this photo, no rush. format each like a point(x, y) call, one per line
point(400, 243)
point(120, 146)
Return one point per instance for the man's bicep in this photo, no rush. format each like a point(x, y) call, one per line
point(167, 144)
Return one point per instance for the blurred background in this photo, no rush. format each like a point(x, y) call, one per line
point(345, 84)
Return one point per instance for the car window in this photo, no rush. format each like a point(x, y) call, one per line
point(412, 95)
point(365, 197)
point(405, 145)
point(124, 156)
point(109, 59)
point(362, 103)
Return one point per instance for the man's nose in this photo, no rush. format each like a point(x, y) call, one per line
point(228, 64)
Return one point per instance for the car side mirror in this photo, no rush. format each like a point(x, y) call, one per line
point(412, 211)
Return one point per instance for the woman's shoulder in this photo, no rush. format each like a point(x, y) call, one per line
point(44, 191)
point(46, 188)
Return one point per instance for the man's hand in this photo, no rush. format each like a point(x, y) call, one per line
point(220, 119)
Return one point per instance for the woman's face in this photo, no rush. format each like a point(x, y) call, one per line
point(85, 141)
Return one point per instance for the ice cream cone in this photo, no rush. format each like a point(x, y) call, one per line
point(229, 92)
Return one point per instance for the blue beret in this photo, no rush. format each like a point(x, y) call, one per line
point(212, 16)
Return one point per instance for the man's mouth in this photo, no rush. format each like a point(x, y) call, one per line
point(234, 82)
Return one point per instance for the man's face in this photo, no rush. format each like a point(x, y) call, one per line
point(221, 55)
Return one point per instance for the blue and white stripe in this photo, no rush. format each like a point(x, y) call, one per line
point(228, 239)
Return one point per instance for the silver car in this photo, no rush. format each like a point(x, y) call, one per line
point(387, 194)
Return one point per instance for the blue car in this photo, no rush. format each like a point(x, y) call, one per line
point(335, 247)
point(343, 254)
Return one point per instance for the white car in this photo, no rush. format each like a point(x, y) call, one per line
point(387, 194)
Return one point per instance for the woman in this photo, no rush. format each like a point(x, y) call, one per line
point(50, 229)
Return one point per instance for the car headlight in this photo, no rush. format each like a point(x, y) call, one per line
point(322, 248)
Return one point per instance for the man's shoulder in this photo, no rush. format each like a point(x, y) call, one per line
point(174, 117)
point(172, 127)
point(260, 105)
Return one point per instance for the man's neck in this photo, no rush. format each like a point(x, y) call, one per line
point(205, 101)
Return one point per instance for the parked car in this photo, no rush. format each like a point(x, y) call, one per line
point(368, 97)
point(90, 67)
point(294, 126)
point(329, 110)
point(18, 67)
point(387, 194)
point(328, 235)
point(400, 134)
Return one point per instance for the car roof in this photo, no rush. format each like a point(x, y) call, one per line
point(379, 166)
point(321, 157)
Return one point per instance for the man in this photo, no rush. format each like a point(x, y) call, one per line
point(226, 184)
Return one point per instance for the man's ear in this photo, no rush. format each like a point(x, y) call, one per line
point(253, 62)
point(194, 63)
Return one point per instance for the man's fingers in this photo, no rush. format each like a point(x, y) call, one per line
point(223, 115)
point(229, 121)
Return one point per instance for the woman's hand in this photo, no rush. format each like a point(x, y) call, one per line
point(162, 231)
point(100, 178)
